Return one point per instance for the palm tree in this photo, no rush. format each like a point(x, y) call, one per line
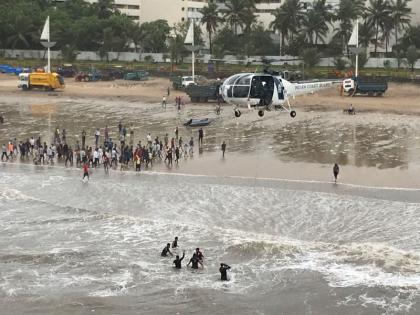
point(104, 8)
point(325, 16)
point(387, 28)
point(366, 33)
point(211, 20)
point(287, 19)
point(400, 13)
point(248, 18)
point(316, 21)
point(377, 13)
point(346, 13)
point(237, 13)
point(22, 33)
point(281, 25)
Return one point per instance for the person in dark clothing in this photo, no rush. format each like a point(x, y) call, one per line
point(176, 155)
point(166, 251)
point(178, 260)
point(223, 271)
point(194, 261)
point(83, 138)
point(336, 170)
point(199, 254)
point(169, 156)
point(86, 171)
point(200, 136)
point(223, 148)
point(175, 242)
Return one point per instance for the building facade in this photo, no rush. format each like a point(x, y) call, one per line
point(129, 7)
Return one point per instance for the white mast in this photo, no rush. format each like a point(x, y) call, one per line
point(193, 53)
point(357, 46)
point(354, 40)
point(46, 36)
point(189, 39)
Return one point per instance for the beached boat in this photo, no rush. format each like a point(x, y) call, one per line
point(198, 122)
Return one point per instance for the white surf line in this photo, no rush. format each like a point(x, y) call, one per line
point(276, 179)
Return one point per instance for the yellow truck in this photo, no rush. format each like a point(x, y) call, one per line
point(40, 80)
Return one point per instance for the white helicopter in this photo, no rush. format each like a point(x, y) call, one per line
point(265, 91)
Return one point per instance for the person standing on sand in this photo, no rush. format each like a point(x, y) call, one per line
point(223, 148)
point(4, 153)
point(83, 138)
point(164, 102)
point(336, 170)
point(191, 146)
point(97, 134)
point(168, 91)
point(200, 137)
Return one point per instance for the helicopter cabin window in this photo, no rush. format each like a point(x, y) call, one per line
point(232, 79)
point(244, 80)
point(240, 91)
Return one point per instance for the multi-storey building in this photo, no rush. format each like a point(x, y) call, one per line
point(175, 11)
point(129, 7)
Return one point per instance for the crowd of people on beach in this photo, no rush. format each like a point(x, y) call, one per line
point(122, 153)
point(196, 259)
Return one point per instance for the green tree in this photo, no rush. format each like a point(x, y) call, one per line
point(324, 19)
point(345, 14)
point(412, 56)
point(136, 35)
point(155, 35)
point(237, 12)
point(387, 28)
point(411, 37)
point(366, 33)
point(377, 14)
point(211, 20)
point(227, 42)
point(310, 57)
point(104, 8)
point(401, 15)
point(258, 42)
point(363, 59)
point(287, 19)
point(249, 18)
point(340, 63)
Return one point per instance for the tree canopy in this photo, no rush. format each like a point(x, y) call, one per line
point(233, 28)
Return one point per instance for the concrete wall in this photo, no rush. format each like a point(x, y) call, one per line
point(130, 56)
point(83, 55)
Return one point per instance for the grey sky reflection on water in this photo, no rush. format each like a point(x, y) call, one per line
point(347, 144)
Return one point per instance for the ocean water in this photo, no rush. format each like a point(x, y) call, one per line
point(295, 247)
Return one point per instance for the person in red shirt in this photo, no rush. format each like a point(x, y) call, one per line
point(86, 171)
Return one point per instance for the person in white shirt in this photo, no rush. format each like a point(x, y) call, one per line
point(96, 158)
point(97, 134)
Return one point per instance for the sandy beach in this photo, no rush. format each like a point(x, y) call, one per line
point(376, 147)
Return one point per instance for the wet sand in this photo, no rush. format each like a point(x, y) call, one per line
point(377, 147)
